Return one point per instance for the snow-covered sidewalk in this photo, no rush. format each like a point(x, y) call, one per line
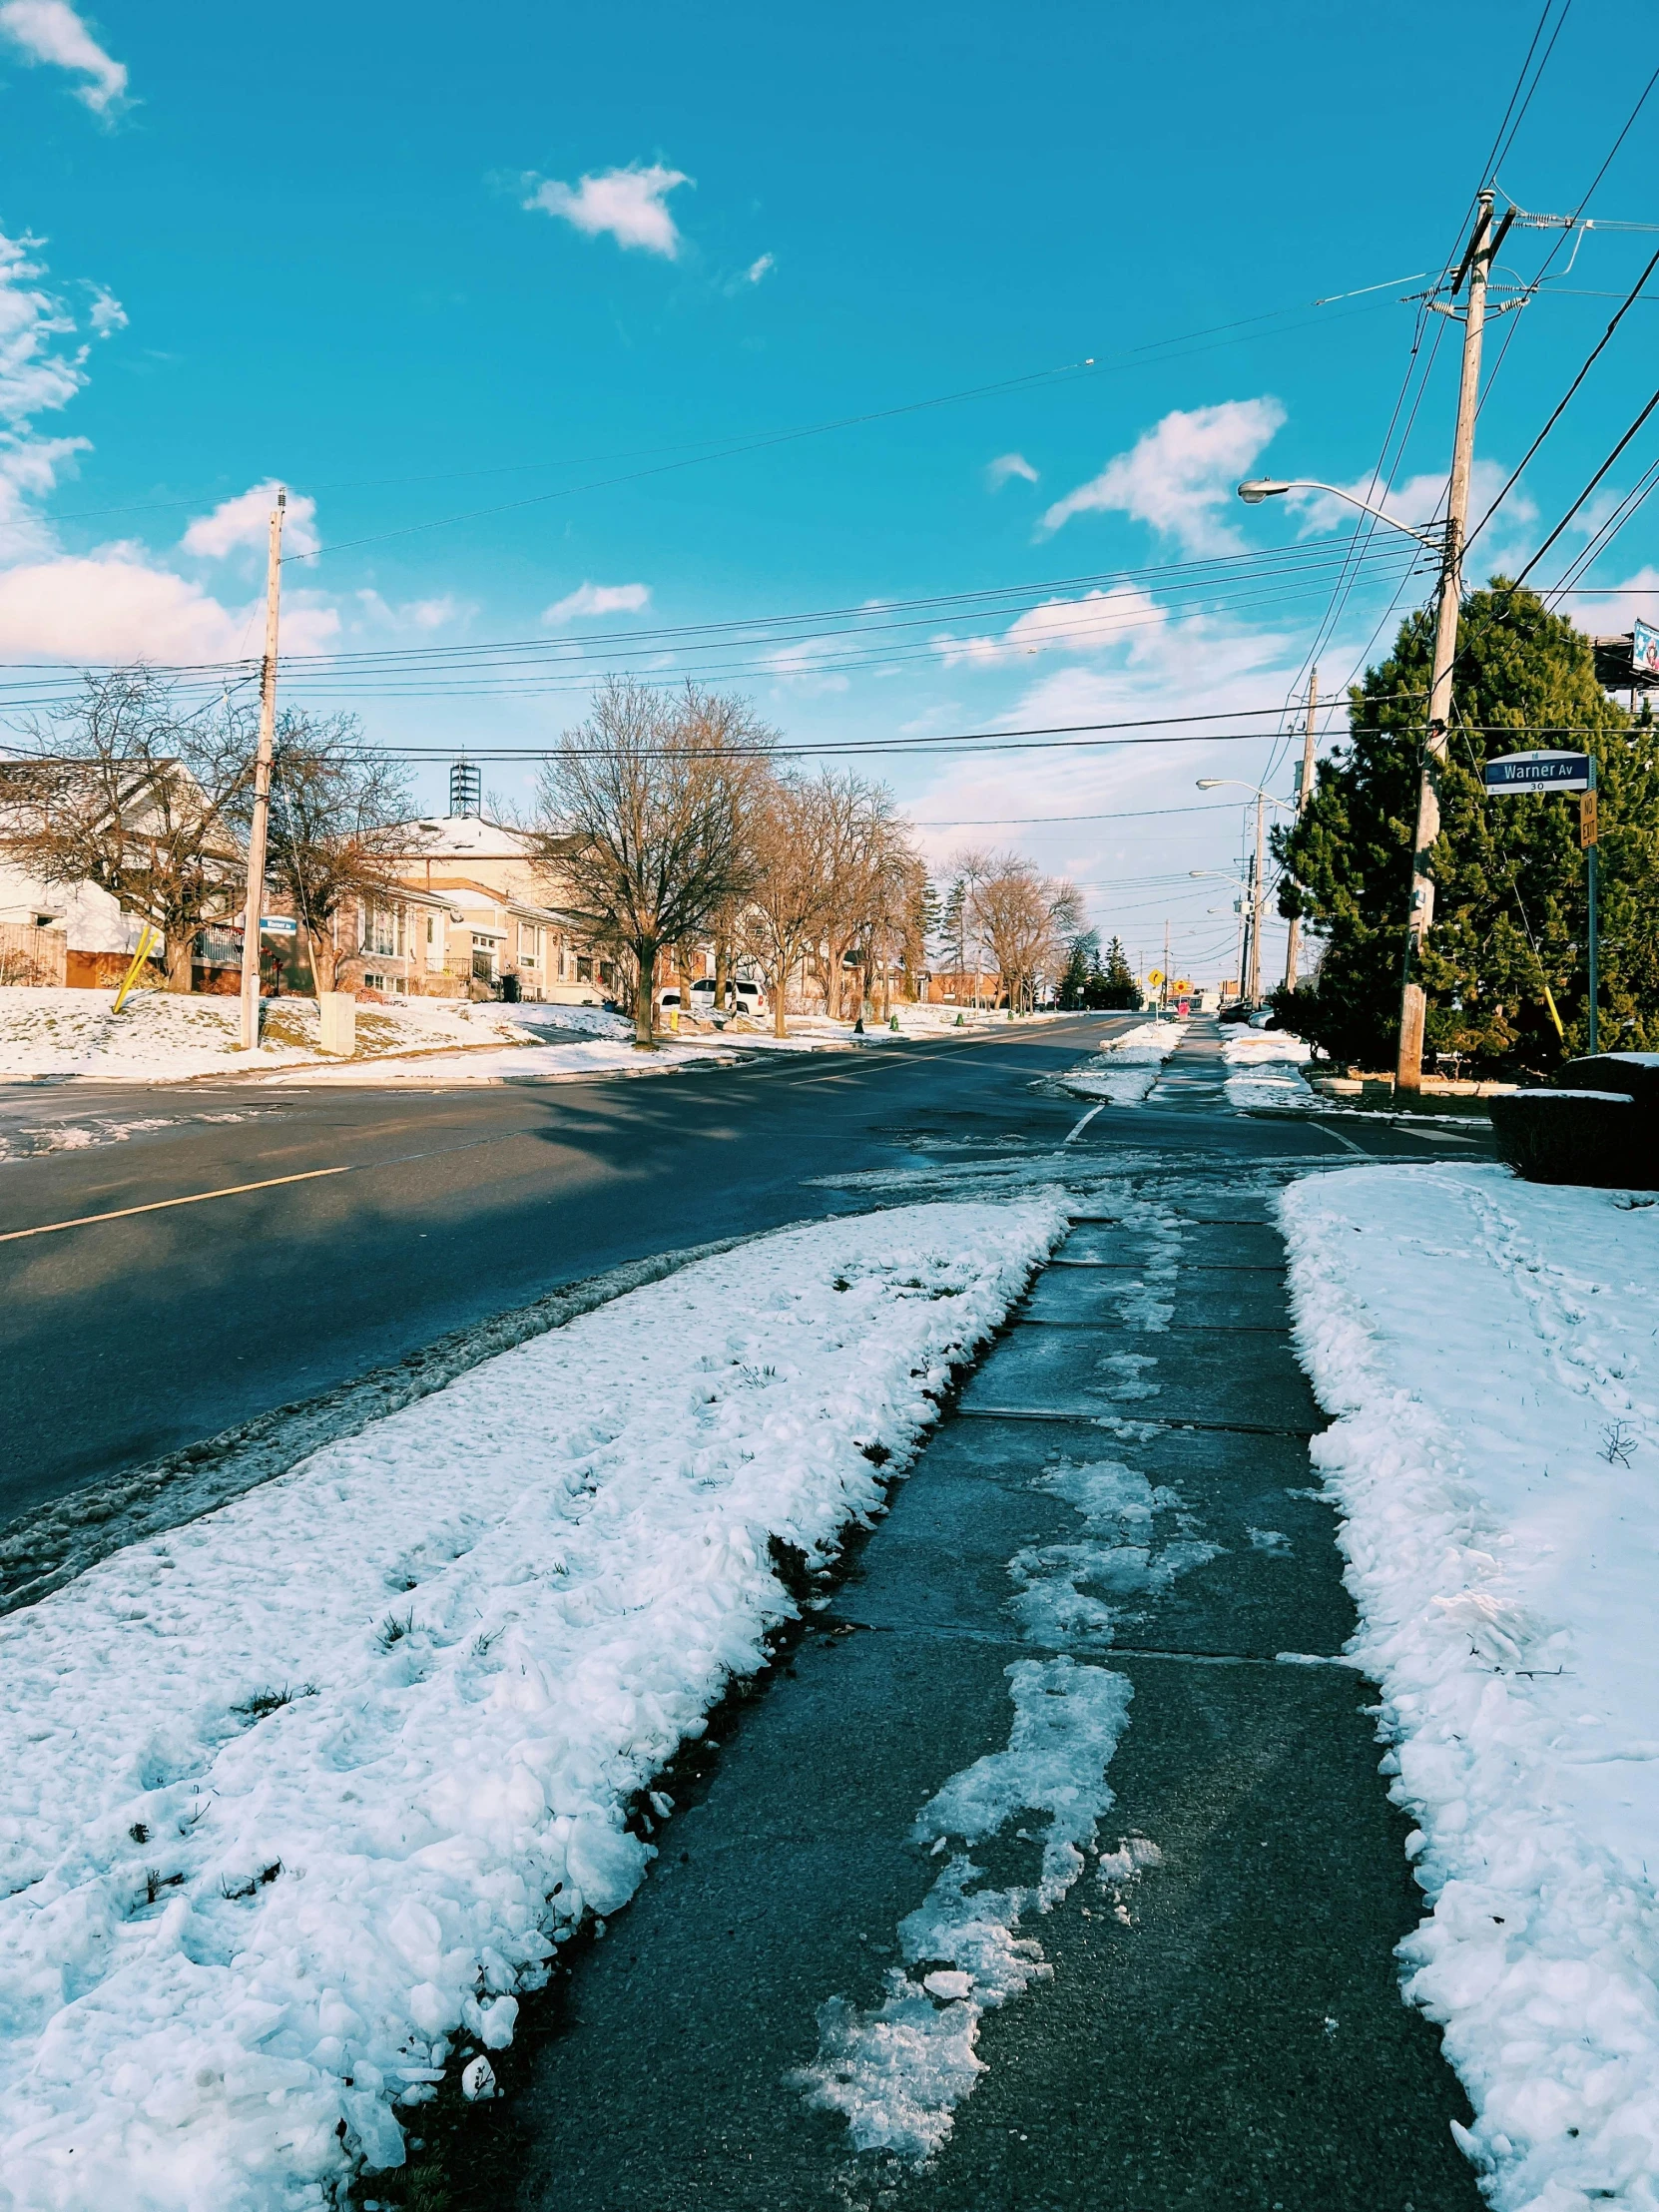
point(1489, 1347)
point(296, 1798)
point(1123, 1071)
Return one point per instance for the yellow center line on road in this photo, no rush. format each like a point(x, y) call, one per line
point(158, 1204)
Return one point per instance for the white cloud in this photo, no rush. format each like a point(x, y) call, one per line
point(414, 613)
point(629, 204)
point(117, 606)
point(51, 31)
point(1096, 622)
point(243, 523)
point(800, 668)
point(29, 469)
point(589, 600)
point(105, 314)
point(1180, 475)
point(1418, 500)
point(763, 267)
point(997, 472)
point(34, 374)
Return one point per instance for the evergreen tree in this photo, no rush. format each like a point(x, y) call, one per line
point(1082, 962)
point(1508, 873)
point(1112, 987)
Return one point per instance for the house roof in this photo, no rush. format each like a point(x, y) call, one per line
point(467, 836)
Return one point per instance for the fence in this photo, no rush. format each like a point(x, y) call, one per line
point(32, 956)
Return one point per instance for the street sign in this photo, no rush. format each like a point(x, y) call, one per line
point(1539, 771)
point(1155, 976)
point(278, 926)
point(1588, 820)
point(1644, 650)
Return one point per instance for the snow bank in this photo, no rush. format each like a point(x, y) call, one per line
point(1126, 1069)
point(295, 1799)
point(1489, 1347)
point(1263, 1069)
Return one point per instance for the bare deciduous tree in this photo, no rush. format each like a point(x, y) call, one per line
point(782, 917)
point(339, 827)
point(1027, 920)
point(124, 790)
point(643, 826)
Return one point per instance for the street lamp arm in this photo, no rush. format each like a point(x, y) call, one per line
point(1257, 489)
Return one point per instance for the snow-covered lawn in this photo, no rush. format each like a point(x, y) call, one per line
point(1126, 1069)
point(297, 1797)
point(162, 1037)
point(1263, 1069)
point(1492, 1350)
point(165, 1036)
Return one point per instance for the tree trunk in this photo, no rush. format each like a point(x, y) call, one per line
point(180, 948)
point(644, 992)
point(778, 988)
point(323, 955)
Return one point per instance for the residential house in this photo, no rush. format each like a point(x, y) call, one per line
point(473, 916)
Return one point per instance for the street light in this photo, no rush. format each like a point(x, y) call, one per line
point(1257, 489)
point(1252, 984)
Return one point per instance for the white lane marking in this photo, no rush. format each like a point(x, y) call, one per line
point(160, 1205)
point(1078, 1128)
point(1325, 1130)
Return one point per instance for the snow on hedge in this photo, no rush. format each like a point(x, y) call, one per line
point(1126, 1069)
point(295, 1799)
point(1492, 1350)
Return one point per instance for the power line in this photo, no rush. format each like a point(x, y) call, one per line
point(1561, 406)
point(1586, 493)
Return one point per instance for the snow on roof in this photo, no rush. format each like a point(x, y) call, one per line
point(470, 835)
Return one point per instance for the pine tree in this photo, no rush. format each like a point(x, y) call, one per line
point(1082, 961)
point(1112, 987)
point(1508, 873)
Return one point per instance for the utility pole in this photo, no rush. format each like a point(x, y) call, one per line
point(1303, 792)
point(1162, 987)
point(1255, 909)
point(254, 912)
point(1477, 264)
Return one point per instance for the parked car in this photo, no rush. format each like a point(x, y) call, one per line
point(1238, 1011)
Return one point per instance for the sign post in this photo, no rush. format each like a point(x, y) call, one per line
point(1561, 772)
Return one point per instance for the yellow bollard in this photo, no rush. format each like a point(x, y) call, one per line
point(145, 934)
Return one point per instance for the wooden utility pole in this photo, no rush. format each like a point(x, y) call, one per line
point(254, 912)
point(1303, 792)
point(1255, 991)
point(1478, 261)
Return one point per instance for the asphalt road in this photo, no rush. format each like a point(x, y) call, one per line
point(389, 1217)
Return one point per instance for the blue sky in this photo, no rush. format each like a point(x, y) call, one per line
point(417, 266)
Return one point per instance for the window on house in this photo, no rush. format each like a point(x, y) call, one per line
point(384, 931)
point(529, 946)
point(584, 969)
